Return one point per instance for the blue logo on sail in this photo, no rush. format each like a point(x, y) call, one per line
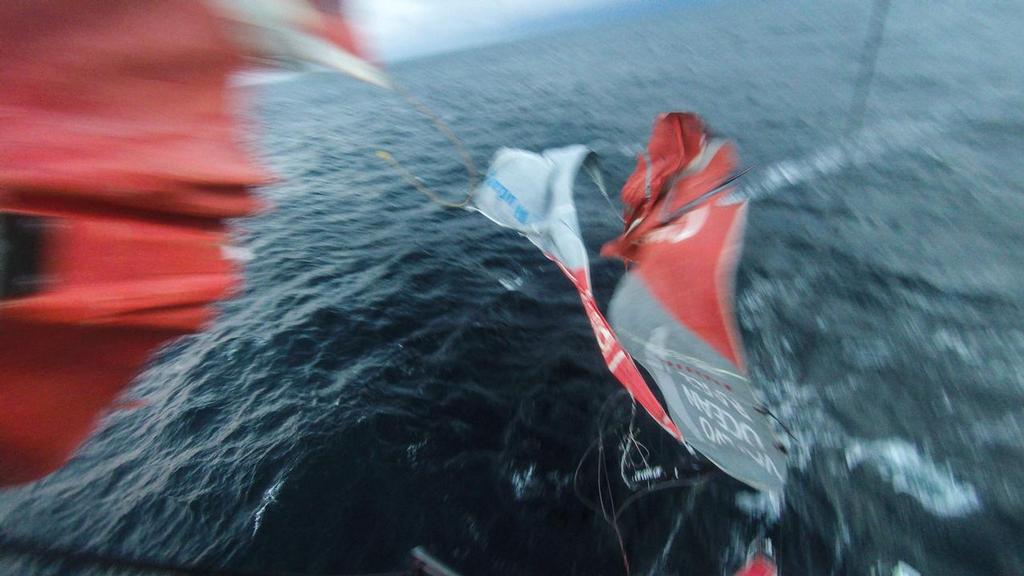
point(506, 196)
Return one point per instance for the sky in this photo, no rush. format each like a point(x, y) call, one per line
point(397, 29)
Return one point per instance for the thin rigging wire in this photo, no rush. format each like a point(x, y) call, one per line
point(443, 128)
point(609, 512)
point(868, 63)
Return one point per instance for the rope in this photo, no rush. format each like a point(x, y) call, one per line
point(602, 476)
point(610, 513)
point(442, 127)
point(699, 480)
point(868, 63)
point(12, 546)
point(628, 444)
point(766, 412)
point(665, 216)
point(594, 170)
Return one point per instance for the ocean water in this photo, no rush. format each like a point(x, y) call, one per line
point(397, 374)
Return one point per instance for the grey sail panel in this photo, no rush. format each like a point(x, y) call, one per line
point(711, 402)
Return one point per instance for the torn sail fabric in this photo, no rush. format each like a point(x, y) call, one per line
point(532, 194)
point(674, 309)
point(682, 165)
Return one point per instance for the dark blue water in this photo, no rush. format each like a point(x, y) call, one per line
point(396, 374)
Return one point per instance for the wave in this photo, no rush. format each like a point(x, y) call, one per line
point(933, 486)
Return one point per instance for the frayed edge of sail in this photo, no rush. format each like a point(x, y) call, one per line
point(533, 195)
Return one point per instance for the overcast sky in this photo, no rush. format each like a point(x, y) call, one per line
point(401, 28)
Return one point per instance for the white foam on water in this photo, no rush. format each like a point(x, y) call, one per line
point(862, 148)
point(412, 451)
point(524, 481)
point(764, 505)
point(901, 465)
point(904, 569)
point(269, 497)
point(511, 283)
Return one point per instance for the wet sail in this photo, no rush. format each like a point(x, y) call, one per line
point(533, 195)
point(674, 310)
point(120, 165)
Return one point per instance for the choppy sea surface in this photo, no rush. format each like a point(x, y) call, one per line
point(396, 374)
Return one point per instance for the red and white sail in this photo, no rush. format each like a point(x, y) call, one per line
point(674, 310)
point(533, 195)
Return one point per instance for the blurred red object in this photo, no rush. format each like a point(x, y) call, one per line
point(120, 162)
point(759, 566)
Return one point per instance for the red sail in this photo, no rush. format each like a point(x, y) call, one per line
point(120, 161)
point(681, 166)
point(673, 311)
